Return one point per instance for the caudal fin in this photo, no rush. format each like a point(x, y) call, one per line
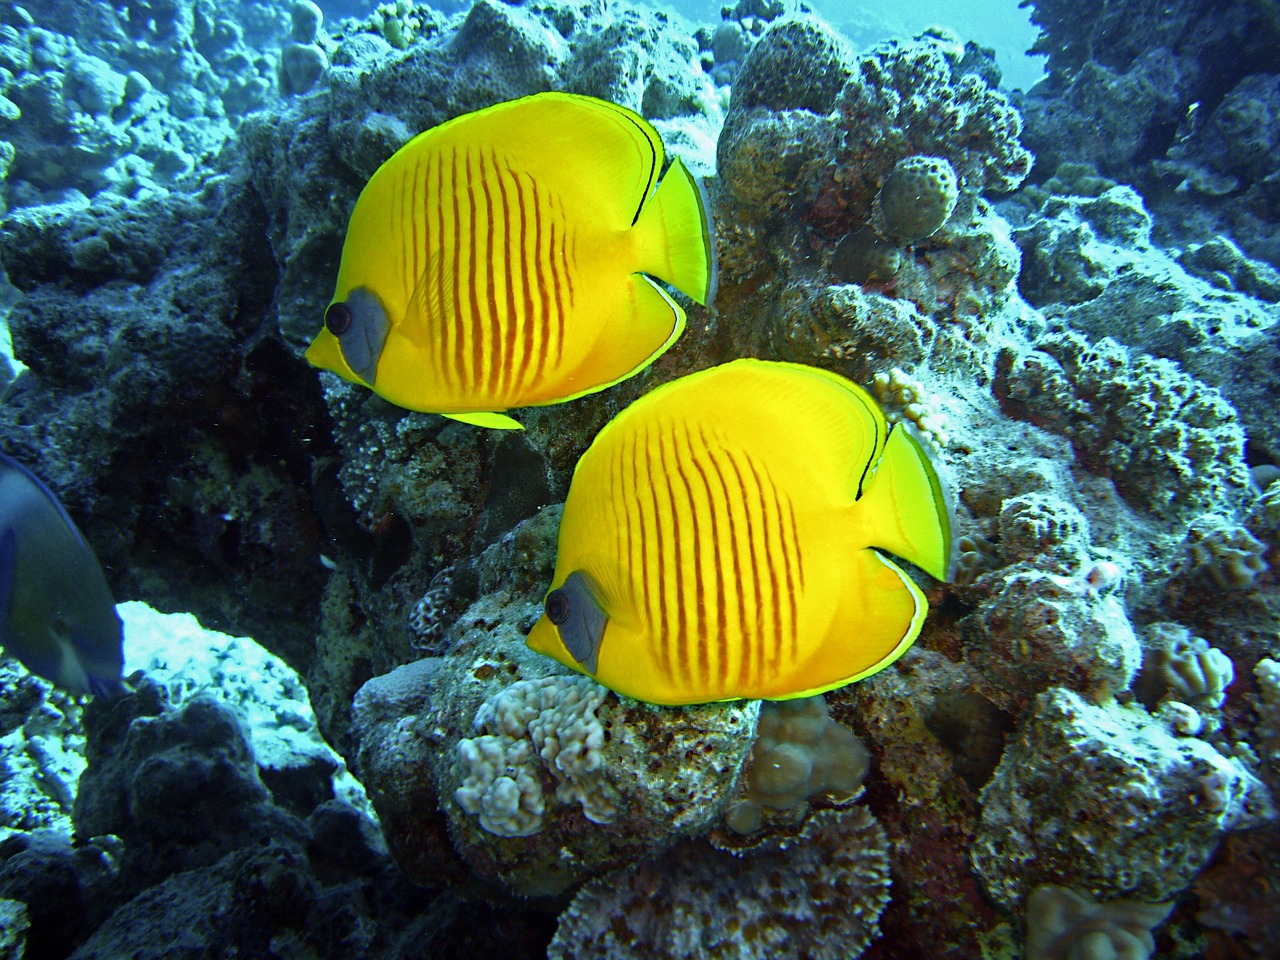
point(676, 241)
point(907, 508)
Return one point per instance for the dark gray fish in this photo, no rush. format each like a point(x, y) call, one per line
point(56, 611)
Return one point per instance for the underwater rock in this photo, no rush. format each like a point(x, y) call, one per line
point(179, 787)
point(41, 753)
point(1104, 799)
point(194, 849)
point(64, 891)
point(1043, 630)
point(217, 493)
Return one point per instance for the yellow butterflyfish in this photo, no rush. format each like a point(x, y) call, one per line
point(725, 536)
point(506, 258)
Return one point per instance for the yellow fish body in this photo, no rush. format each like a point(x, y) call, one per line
point(503, 259)
point(722, 538)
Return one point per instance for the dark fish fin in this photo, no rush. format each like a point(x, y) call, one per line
point(7, 462)
point(106, 688)
point(8, 574)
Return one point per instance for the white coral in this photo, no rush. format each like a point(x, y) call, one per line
point(551, 720)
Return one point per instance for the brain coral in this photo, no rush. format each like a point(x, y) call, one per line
point(917, 198)
point(1173, 445)
point(816, 895)
point(1179, 666)
point(1224, 553)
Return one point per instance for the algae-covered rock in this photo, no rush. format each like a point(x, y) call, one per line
point(1102, 798)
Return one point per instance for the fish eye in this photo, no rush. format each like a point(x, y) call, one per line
point(557, 607)
point(337, 319)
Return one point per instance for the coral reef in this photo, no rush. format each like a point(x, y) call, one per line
point(1101, 799)
point(478, 732)
point(1174, 102)
point(1171, 444)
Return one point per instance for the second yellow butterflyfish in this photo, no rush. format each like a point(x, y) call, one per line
point(508, 258)
point(727, 535)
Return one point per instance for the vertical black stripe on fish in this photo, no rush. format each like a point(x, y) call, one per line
point(872, 417)
point(476, 320)
point(790, 549)
point(693, 617)
point(652, 161)
point(557, 284)
point(513, 358)
point(489, 299)
point(540, 272)
point(521, 256)
point(719, 465)
point(668, 548)
point(455, 250)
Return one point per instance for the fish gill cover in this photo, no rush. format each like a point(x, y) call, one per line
point(1079, 317)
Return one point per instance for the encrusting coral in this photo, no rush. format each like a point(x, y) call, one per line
point(813, 895)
